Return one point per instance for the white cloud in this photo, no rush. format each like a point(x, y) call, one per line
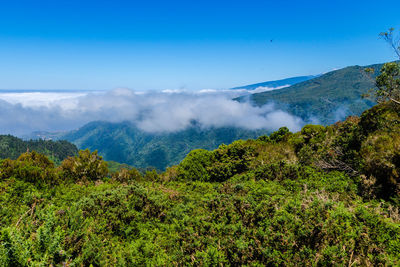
point(165, 111)
point(38, 99)
point(261, 89)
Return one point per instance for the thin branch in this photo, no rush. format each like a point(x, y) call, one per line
point(390, 98)
point(394, 100)
point(22, 216)
point(396, 49)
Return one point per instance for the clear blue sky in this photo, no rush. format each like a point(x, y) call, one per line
point(185, 44)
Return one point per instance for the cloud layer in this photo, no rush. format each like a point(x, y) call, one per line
point(166, 111)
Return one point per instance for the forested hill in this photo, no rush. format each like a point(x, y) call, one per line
point(319, 197)
point(125, 143)
point(11, 147)
point(326, 99)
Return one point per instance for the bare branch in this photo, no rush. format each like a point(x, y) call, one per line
point(391, 40)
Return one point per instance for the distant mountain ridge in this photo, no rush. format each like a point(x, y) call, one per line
point(277, 83)
point(324, 99)
point(125, 143)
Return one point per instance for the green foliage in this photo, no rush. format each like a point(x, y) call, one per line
point(313, 133)
point(379, 149)
point(116, 166)
point(381, 154)
point(279, 214)
point(88, 166)
point(388, 83)
point(194, 166)
point(151, 175)
point(279, 135)
point(218, 165)
point(11, 147)
point(127, 175)
point(30, 167)
point(231, 160)
point(264, 138)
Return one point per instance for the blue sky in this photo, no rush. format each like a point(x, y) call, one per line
point(190, 45)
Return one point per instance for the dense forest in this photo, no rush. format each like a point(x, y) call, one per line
point(11, 147)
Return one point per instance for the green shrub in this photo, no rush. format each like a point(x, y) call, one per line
point(381, 154)
point(280, 135)
point(195, 164)
point(87, 166)
point(126, 175)
point(30, 167)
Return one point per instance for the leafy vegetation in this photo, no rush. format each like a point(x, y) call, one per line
point(12, 147)
point(388, 83)
point(321, 196)
point(87, 166)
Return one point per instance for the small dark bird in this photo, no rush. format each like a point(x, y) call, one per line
point(271, 40)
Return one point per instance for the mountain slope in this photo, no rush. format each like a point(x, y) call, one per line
point(125, 143)
point(277, 83)
point(327, 98)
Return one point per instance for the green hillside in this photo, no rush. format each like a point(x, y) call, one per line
point(328, 98)
point(125, 143)
point(320, 197)
point(11, 147)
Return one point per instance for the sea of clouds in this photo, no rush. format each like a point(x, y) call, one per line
point(23, 112)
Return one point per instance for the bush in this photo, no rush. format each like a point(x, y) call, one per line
point(127, 175)
point(381, 155)
point(276, 171)
point(195, 164)
point(279, 135)
point(218, 165)
point(30, 167)
point(151, 175)
point(230, 160)
point(380, 117)
point(88, 166)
